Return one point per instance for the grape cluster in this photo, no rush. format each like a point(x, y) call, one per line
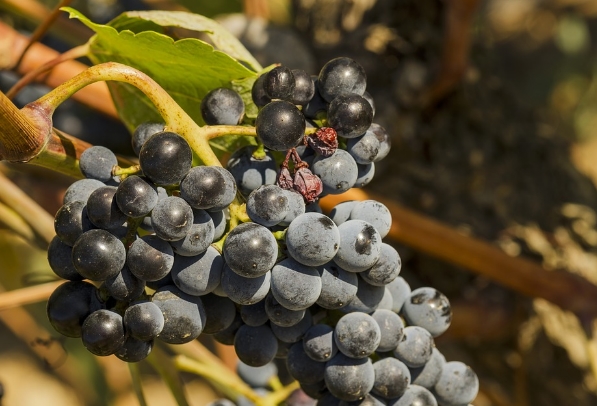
point(168, 262)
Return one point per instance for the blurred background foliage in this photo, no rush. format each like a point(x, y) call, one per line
point(492, 108)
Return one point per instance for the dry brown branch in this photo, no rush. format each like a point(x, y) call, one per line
point(427, 235)
point(28, 295)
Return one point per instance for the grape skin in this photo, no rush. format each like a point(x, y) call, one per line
point(428, 308)
point(250, 250)
point(302, 368)
point(98, 255)
point(135, 197)
point(184, 315)
point(199, 236)
point(222, 106)
point(165, 158)
point(96, 162)
point(254, 315)
point(134, 350)
point(220, 313)
point(255, 346)
point(312, 239)
point(348, 378)
point(338, 172)
point(386, 269)
point(457, 385)
point(102, 332)
point(80, 190)
point(242, 290)
point(208, 187)
point(294, 285)
point(296, 206)
point(249, 173)
point(71, 222)
point(360, 246)
point(350, 115)
point(143, 320)
point(375, 213)
point(338, 287)
point(150, 258)
point(267, 205)
point(280, 125)
point(428, 375)
point(392, 378)
point(415, 348)
point(341, 212)
point(400, 291)
point(103, 210)
point(198, 275)
point(172, 218)
point(367, 299)
point(125, 286)
point(357, 335)
point(319, 344)
point(69, 305)
point(60, 260)
point(415, 395)
point(256, 377)
point(294, 333)
point(142, 133)
point(341, 76)
point(280, 315)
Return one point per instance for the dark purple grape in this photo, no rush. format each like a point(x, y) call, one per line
point(60, 260)
point(350, 115)
point(172, 218)
point(165, 158)
point(250, 250)
point(304, 88)
point(357, 335)
point(255, 346)
point(208, 187)
point(103, 210)
point(258, 94)
point(428, 308)
point(80, 190)
point(135, 197)
point(279, 83)
point(134, 350)
point(150, 258)
point(249, 172)
point(71, 221)
point(97, 163)
point(143, 132)
point(280, 125)
point(125, 286)
point(103, 332)
point(227, 335)
point(294, 333)
point(143, 320)
point(222, 106)
point(341, 76)
point(319, 344)
point(242, 290)
point(348, 378)
point(267, 205)
point(98, 255)
point(392, 378)
point(302, 368)
point(220, 313)
point(200, 274)
point(280, 315)
point(254, 315)
point(199, 237)
point(69, 305)
point(184, 315)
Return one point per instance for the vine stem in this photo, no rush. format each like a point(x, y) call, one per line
point(187, 364)
point(176, 119)
point(39, 219)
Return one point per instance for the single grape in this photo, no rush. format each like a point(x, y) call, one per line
point(341, 76)
point(103, 210)
point(208, 187)
point(267, 205)
point(315, 390)
point(338, 287)
point(367, 299)
point(369, 98)
point(249, 172)
point(370, 147)
point(415, 395)
point(102, 332)
point(258, 94)
point(302, 368)
point(198, 238)
point(279, 83)
point(294, 285)
point(294, 333)
point(242, 290)
point(143, 320)
point(400, 291)
point(317, 104)
point(457, 385)
point(150, 258)
point(227, 335)
point(172, 218)
point(97, 162)
point(222, 106)
point(98, 255)
point(80, 190)
point(375, 213)
point(255, 346)
point(304, 88)
point(184, 315)
point(392, 378)
point(387, 301)
point(365, 174)
point(386, 269)
point(254, 315)
point(341, 212)
point(165, 158)
point(280, 125)
point(69, 305)
point(280, 315)
point(124, 286)
point(348, 378)
point(312, 239)
point(391, 328)
point(250, 250)
point(200, 274)
point(428, 375)
point(319, 344)
point(143, 132)
point(350, 115)
point(219, 221)
point(134, 350)
point(338, 172)
point(296, 206)
point(415, 348)
point(135, 197)
point(428, 308)
point(360, 246)
point(357, 335)
point(256, 377)
point(60, 260)
point(71, 222)
point(220, 313)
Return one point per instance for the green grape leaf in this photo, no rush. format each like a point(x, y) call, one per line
point(187, 69)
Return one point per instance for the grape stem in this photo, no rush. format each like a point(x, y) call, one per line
point(176, 119)
point(124, 172)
